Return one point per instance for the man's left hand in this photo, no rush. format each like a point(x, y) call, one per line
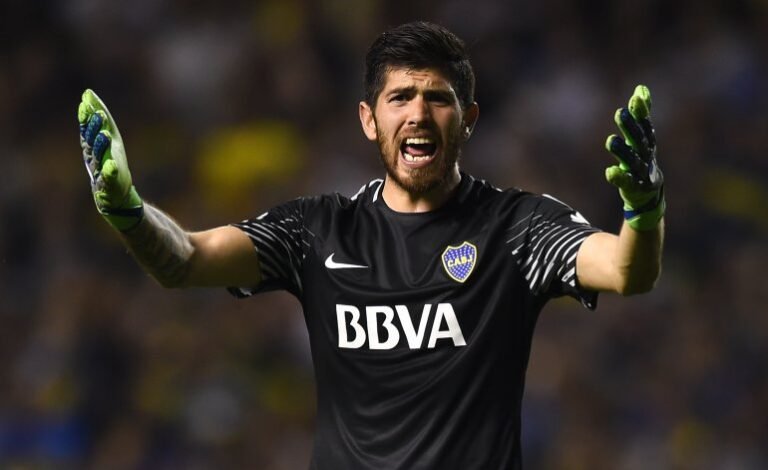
point(637, 176)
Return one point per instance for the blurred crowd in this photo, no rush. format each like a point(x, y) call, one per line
point(228, 108)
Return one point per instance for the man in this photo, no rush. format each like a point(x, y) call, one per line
point(421, 291)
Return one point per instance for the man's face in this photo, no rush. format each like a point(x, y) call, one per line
point(419, 127)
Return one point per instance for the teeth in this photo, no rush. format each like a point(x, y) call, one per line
point(418, 140)
point(411, 158)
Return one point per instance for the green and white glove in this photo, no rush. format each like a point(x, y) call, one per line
point(104, 157)
point(638, 177)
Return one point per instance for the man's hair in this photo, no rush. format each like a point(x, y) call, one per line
point(419, 45)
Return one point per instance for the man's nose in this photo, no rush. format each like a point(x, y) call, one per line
point(419, 111)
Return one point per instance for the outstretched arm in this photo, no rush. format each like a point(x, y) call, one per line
point(223, 256)
point(220, 257)
point(630, 263)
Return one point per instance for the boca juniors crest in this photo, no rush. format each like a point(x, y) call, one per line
point(459, 261)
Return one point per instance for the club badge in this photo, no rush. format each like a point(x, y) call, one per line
point(459, 261)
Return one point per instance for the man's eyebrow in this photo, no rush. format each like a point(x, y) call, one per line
point(402, 89)
point(410, 89)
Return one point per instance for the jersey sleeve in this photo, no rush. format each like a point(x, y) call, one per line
point(279, 238)
point(551, 242)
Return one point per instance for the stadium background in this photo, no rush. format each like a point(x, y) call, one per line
point(230, 107)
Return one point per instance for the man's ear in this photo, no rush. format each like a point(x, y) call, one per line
point(471, 114)
point(368, 121)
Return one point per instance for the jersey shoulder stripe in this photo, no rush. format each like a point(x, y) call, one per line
point(544, 239)
point(369, 191)
point(280, 239)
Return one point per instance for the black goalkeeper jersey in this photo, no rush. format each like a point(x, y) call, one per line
point(420, 324)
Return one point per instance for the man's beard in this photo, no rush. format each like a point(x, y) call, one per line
point(421, 181)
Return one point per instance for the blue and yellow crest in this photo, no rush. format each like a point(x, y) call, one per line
point(459, 261)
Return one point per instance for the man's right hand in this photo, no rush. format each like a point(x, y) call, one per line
point(104, 157)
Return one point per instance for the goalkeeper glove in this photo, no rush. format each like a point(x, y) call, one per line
point(638, 177)
point(104, 156)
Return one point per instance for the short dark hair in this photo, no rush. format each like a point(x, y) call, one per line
point(419, 45)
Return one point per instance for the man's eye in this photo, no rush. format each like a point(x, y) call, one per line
point(397, 98)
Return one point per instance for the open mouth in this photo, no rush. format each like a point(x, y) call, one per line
point(418, 151)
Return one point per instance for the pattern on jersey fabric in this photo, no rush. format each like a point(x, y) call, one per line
point(378, 183)
point(280, 239)
point(545, 245)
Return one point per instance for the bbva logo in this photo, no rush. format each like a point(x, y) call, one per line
point(444, 326)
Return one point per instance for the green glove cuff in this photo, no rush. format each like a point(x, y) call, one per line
point(128, 216)
point(646, 218)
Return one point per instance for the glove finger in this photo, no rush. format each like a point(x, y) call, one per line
point(648, 131)
point(94, 126)
point(83, 114)
point(618, 177)
point(640, 109)
point(629, 159)
point(107, 185)
point(93, 102)
point(635, 135)
point(100, 145)
point(640, 102)
point(621, 151)
point(631, 130)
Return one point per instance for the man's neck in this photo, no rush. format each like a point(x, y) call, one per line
point(400, 200)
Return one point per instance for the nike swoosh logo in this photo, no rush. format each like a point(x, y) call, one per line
point(331, 264)
point(579, 219)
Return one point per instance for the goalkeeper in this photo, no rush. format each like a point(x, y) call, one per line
point(421, 291)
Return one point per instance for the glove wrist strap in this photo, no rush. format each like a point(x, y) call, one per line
point(648, 215)
point(125, 218)
point(630, 211)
